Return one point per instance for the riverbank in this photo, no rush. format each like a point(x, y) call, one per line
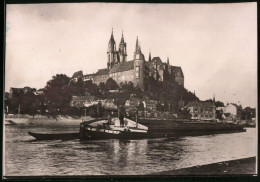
point(245, 166)
point(43, 120)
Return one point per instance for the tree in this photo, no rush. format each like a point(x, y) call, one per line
point(219, 114)
point(58, 81)
point(91, 88)
point(123, 85)
point(22, 101)
point(102, 87)
point(28, 102)
point(111, 84)
point(58, 93)
point(248, 113)
point(219, 104)
point(78, 87)
point(130, 86)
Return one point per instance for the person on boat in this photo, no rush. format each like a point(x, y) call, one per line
point(121, 115)
point(109, 119)
point(125, 123)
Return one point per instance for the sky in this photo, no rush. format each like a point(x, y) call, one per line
point(215, 44)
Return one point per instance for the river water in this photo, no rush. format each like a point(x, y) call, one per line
point(23, 156)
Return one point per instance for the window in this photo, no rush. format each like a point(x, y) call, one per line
point(137, 72)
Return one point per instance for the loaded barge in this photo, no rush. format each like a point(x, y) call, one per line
point(100, 129)
point(113, 129)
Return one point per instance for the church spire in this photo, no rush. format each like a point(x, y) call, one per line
point(111, 52)
point(122, 49)
point(136, 46)
point(214, 99)
point(138, 53)
point(122, 38)
point(150, 56)
point(112, 36)
point(168, 60)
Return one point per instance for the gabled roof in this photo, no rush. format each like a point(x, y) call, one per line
point(124, 66)
point(157, 60)
point(77, 74)
point(196, 103)
point(102, 72)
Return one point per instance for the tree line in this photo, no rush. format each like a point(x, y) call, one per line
point(56, 96)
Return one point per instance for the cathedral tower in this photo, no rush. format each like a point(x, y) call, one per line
point(112, 54)
point(139, 67)
point(122, 50)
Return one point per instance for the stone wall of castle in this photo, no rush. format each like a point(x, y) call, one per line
point(124, 76)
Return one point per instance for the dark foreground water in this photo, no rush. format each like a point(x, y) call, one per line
point(27, 157)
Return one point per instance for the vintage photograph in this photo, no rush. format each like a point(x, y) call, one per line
point(101, 89)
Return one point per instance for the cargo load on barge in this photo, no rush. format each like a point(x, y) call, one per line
point(187, 127)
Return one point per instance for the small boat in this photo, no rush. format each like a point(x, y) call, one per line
point(54, 136)
point(100, 129)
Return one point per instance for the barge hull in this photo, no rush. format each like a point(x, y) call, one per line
point(94, 135)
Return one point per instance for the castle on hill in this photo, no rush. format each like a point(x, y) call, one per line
point(138, 70)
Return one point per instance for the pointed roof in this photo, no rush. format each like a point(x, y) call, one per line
point(124, 66)
point(137, 46)
point(122, 38)
point(157, 60)
point(201, 104)
point(149, 56)
point(112, 37)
